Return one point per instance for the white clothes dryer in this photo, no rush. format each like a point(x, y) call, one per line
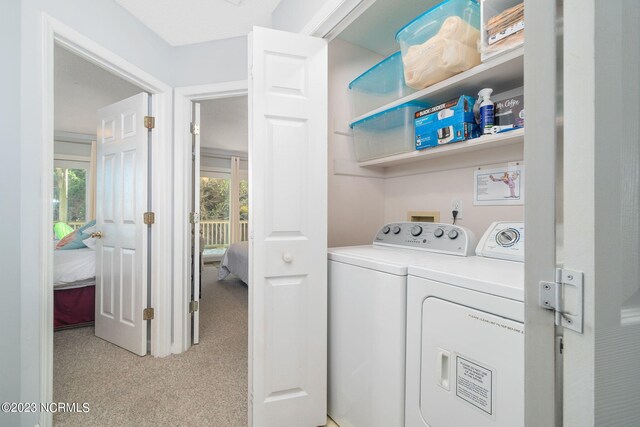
point(465, 336)
point(367, 318)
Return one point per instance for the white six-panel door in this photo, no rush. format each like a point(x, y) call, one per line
point(288, 229)
point(121, 200)
point(601, 204)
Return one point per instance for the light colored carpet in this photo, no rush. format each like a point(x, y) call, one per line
point(207, 385)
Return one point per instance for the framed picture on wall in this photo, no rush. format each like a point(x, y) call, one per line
point(499, 186)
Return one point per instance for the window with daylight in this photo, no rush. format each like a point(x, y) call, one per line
point(214, 209)
point(70, 191)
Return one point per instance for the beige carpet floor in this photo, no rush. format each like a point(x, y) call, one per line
point(205, 386)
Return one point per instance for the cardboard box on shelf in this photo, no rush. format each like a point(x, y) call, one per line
point(451, 121)
point(509, 109)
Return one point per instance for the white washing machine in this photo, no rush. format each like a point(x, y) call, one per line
point(367, 318)
point(465, 336)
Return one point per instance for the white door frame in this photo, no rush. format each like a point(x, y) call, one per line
point(53, 31)
point(543, 396)
point(183, 97)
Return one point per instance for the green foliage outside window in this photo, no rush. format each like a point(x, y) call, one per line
point(69, 195)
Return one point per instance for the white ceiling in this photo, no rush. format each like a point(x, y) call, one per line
point(224, 124)
point(81, 89)
point(196, 21)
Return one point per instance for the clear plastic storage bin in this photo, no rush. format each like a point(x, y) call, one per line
point(440, 43)
point(379, 85)
point(386, 133)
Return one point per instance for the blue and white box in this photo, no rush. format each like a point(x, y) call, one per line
point(451, 121)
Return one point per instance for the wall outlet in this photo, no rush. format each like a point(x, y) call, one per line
point(456, 204)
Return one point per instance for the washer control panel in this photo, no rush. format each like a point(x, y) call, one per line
point(427, 236)
point(503, 240)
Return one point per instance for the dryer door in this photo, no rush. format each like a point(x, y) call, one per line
point(472, 367)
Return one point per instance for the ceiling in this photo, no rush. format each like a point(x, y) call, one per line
point(81, 89)
point(376, 28)
point(196, 21)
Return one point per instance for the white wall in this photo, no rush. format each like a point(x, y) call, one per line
point(10, 189)
point(215, 61)
point(434, 192)
point(356, 204)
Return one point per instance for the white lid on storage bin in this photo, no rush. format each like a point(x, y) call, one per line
point(379, 85)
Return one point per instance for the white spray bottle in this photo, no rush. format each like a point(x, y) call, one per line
point(486, 111)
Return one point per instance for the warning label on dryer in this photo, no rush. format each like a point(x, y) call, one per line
point(474, 384)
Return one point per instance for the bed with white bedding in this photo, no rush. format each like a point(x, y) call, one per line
point(235, 261)
point(74, 268)
point(74, 278)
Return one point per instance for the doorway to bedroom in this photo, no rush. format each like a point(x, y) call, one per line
point(219, 236)
point(220, 193)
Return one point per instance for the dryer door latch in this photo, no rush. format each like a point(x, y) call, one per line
point(565, 298)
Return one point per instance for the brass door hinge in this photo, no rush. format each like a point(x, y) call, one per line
point(194, 306)
point(147, 314)
point(149, 122)
point(149, 218)
point(195, 128)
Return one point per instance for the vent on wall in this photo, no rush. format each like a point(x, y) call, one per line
point(425, 216)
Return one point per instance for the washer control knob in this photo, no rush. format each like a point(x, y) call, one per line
point(508, 237)
point(386, 229)
point(416, 230)
point(396, 229)
point(453, 234)
point(439, 232)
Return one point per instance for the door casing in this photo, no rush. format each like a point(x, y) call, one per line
point(184, 96)
point(53, 32)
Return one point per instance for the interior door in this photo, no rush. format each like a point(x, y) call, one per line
point(601, 205)
point(194, 308)
point(288, 229)
point(121, 201)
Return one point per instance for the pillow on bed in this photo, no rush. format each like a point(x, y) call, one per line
point(90, 242)
point(74, 240)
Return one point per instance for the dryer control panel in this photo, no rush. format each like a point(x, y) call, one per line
point(503, 240)
point(427, 236)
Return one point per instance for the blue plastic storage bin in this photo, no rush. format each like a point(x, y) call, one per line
point(440, 43)
point(386, 133)
point(379, 85)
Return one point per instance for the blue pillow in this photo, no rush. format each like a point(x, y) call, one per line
point(74, 240)
point(87, 225)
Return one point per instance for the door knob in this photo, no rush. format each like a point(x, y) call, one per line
point(287, 257)
point(97, 235)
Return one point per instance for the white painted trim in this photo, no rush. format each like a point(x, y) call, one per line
point(53, 31)
point(210, 170)
point(77, 138)
point(71, 158)
point(183, 96)
point(334, 16)
point(222, 154)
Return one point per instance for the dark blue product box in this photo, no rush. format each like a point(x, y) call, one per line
point(449, 122)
